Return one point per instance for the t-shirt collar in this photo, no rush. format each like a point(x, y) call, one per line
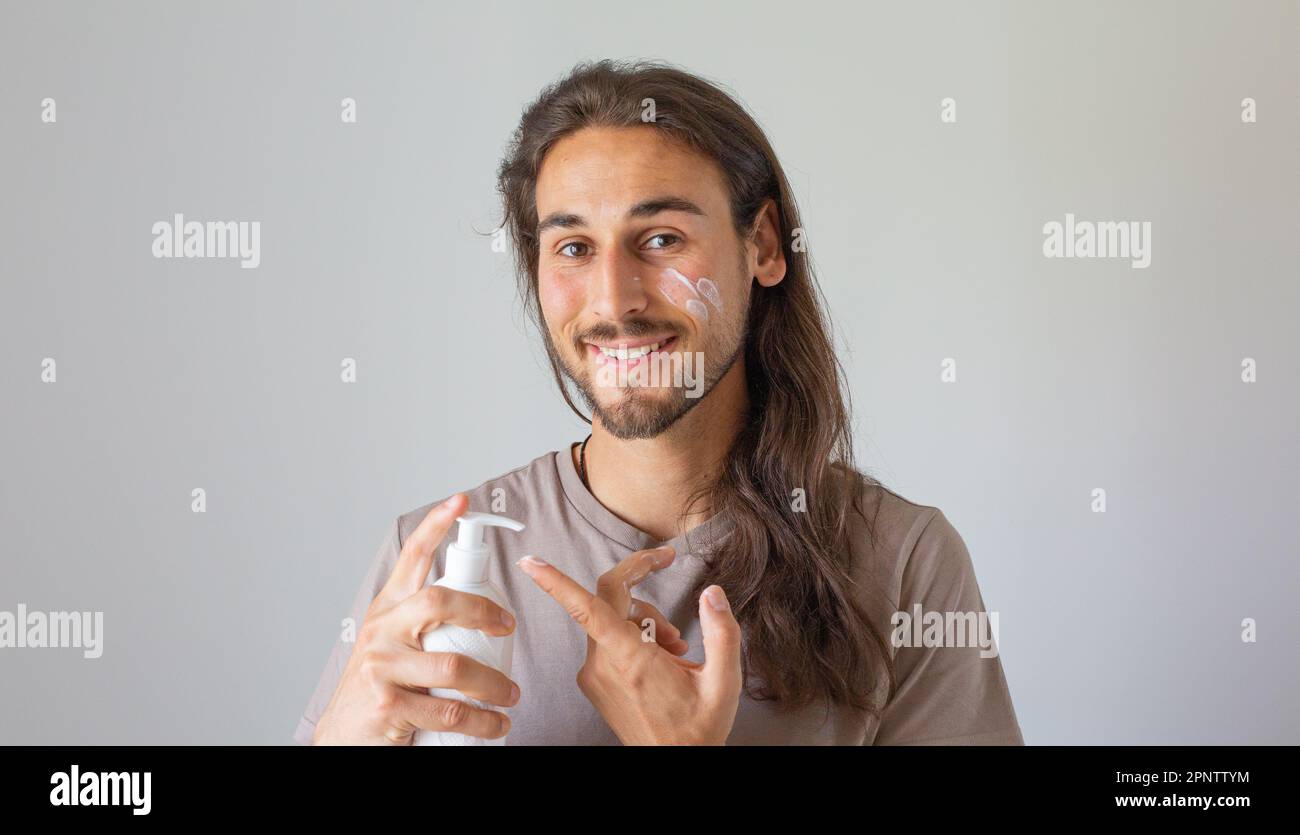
point(697, 539)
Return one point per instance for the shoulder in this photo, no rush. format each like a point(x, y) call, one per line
point(516, 493)
point(906, 546)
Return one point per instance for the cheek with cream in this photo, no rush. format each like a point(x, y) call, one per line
point(696, 297)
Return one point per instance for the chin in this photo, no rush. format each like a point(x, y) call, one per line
point(632, 412)
point(636, 417)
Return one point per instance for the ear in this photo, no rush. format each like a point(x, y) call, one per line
point(765, 253)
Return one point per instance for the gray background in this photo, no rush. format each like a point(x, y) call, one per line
point(176, 374)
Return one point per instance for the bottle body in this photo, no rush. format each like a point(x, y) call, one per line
point(491, 650)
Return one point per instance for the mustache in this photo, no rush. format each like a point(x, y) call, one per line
point(608, 332)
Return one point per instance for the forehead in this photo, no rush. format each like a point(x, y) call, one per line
point(600, 172)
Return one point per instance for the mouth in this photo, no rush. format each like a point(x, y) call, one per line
point(629, 353)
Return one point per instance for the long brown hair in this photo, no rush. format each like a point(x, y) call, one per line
point(784, 566)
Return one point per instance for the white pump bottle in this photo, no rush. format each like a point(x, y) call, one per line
point(467, 570)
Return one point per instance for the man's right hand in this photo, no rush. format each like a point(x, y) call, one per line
point(383, 695)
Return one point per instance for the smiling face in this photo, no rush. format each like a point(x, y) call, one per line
point(639, 265)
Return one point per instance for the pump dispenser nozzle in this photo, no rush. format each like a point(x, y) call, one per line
point(467, 558)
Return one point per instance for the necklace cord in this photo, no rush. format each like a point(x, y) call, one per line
point(582, 463)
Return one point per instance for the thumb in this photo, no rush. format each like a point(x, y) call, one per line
point(721, 633)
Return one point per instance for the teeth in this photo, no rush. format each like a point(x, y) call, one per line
point(629, 353)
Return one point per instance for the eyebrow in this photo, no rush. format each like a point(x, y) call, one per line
point(646, 208)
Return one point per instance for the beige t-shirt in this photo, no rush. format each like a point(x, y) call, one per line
point(945, 695)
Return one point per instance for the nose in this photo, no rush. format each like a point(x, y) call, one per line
point(617, 289)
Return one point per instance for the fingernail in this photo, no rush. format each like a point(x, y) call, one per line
point(507, 619)
point(514, 693)
point(717, 599)
point(531, 560)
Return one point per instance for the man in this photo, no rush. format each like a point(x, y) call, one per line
point(708, 567)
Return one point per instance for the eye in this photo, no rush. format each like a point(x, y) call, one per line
point(571, 243)
point(672, 239)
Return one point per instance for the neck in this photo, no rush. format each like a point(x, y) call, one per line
point(648, 482)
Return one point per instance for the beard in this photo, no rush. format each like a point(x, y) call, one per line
point(637, 414)
point(640, 413)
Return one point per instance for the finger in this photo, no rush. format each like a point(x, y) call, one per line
point(610, 629)
point(615, 585)
point(433, 713)
point(669, 637)
point(416, 558)
point(433, 606)
point(722, 674)
point(425, 670)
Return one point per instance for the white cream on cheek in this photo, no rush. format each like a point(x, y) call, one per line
point(709, 291)
point(682, 292)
